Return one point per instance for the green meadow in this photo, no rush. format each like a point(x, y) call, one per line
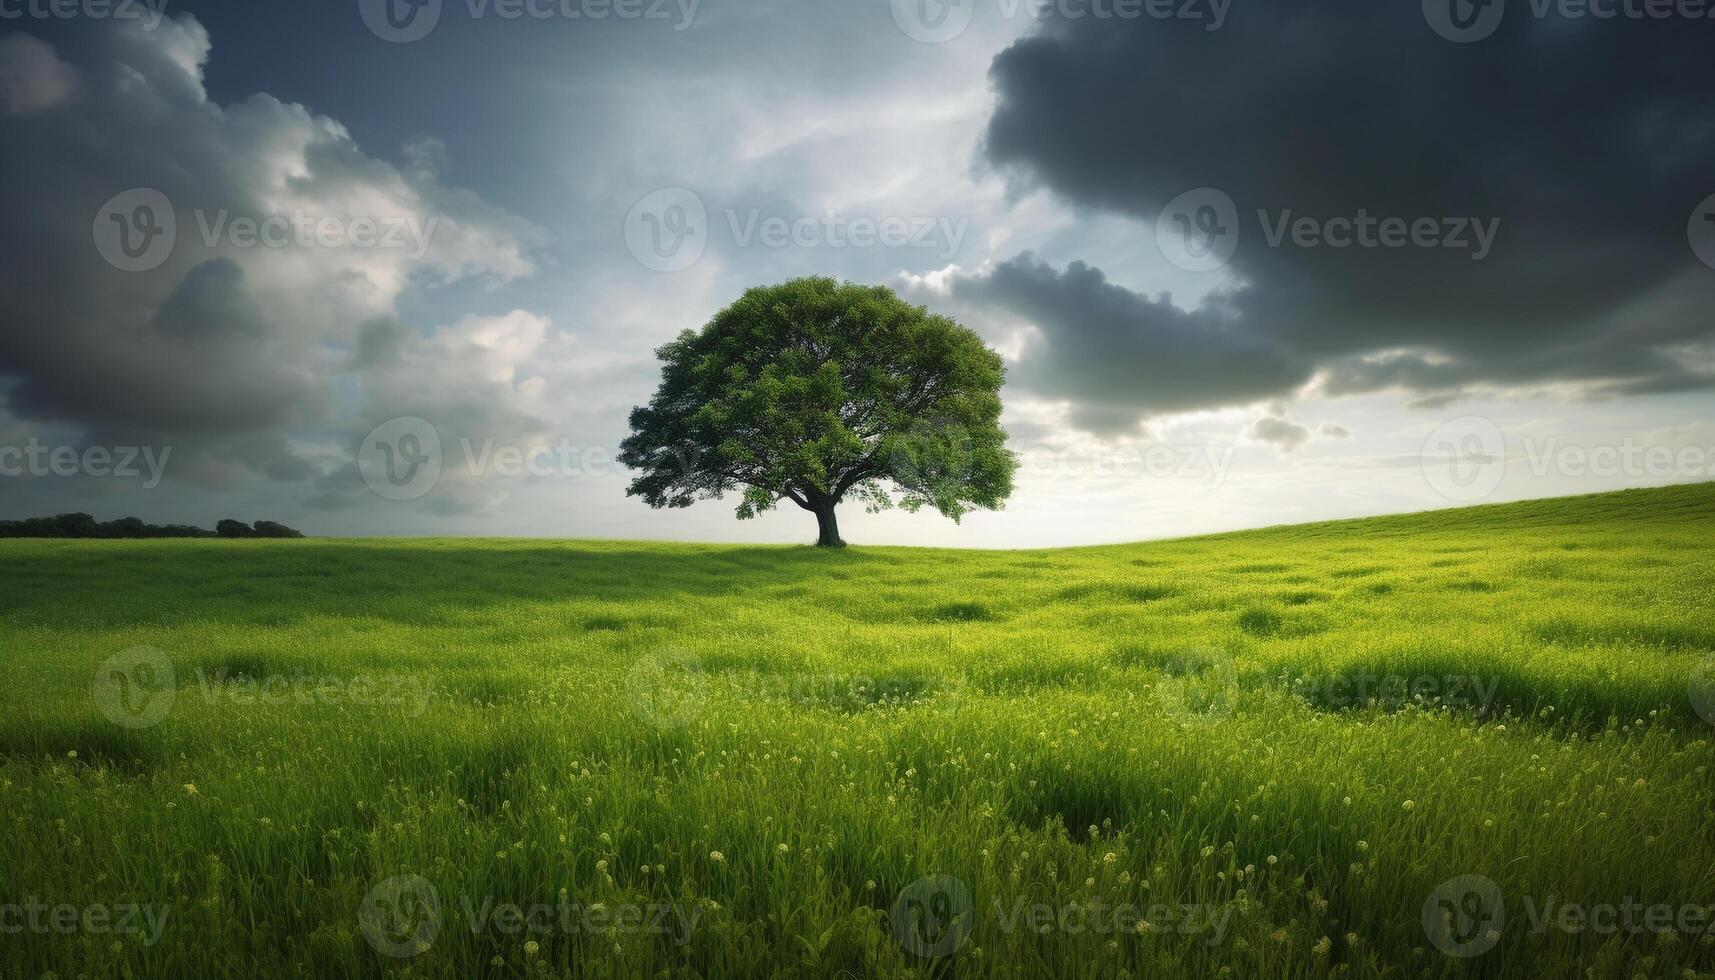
point(1467, 743)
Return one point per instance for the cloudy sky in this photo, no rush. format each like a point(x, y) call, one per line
point(1248, 263)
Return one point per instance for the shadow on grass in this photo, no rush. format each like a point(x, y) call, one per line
point(118, 584)
point(88, 742)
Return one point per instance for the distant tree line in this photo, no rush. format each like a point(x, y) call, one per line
point(85, 526)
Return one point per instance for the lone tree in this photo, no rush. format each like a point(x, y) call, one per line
point(814, 389)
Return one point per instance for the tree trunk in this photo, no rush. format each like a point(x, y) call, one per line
point(828, 528)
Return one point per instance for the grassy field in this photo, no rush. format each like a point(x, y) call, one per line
point(1274, 754)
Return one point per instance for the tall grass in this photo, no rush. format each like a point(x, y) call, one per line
point(1298, 734)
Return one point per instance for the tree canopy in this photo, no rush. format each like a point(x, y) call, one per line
point(813, 390)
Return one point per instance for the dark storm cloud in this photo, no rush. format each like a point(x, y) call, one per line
point(1285, 434)
point(1590, 142)
point(202, 362)
point(1117, 355)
